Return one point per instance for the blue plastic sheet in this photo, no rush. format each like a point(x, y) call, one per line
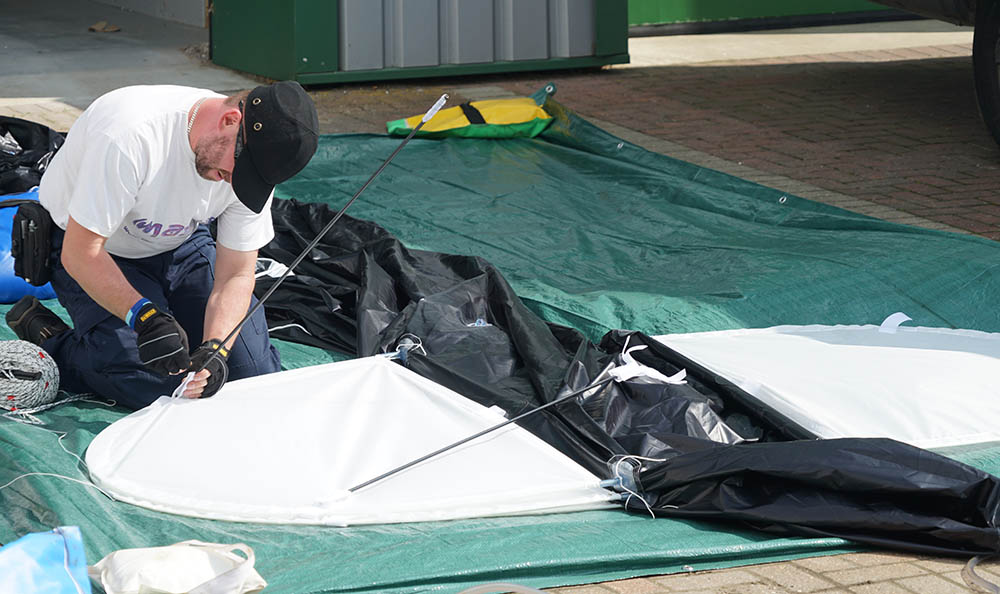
point(12, 287)
point(50, 562)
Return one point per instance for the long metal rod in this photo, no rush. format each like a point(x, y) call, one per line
point(398, 469)
point(260, 302)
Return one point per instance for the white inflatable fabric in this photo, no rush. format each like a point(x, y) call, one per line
point(929, 387)
point(285, 447)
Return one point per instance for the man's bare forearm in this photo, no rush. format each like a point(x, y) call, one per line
point(227, 305)
point(230, 298)
point(85, 260)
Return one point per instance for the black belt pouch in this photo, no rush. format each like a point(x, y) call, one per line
point(31, 241)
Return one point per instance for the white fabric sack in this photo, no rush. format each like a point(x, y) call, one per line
point(190, 566)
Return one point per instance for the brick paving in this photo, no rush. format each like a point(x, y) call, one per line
point(859, 573)
point(891, 133)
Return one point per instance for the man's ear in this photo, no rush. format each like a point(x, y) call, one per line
point(231, 117)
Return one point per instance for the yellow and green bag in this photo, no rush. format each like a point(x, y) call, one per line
point(491, 118)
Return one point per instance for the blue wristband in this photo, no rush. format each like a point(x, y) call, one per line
point(130, 316)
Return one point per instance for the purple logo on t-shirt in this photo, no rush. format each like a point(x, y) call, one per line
point(157, 229)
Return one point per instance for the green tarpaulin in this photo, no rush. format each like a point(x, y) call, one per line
point(594, 233)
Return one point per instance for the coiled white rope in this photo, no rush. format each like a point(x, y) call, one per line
point(29, 381)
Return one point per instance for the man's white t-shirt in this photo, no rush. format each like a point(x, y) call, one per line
point(127, 173)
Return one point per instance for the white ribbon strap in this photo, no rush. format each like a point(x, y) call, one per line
point(891, 323)
point(630, 368)
point(237, 579)
point(179, 391)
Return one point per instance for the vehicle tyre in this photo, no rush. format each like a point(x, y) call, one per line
point(985, 64)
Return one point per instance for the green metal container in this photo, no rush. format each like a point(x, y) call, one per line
point(658, 12)
point(328, 41)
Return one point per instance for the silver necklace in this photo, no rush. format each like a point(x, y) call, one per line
point(194, 114)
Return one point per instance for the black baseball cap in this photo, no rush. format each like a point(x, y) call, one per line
point(280, 130)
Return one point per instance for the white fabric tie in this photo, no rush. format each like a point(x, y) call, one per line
point(630, 368)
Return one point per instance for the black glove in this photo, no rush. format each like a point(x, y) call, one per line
point(216, 365)
point(163, 344)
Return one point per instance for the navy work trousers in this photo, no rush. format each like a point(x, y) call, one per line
point(100, 354)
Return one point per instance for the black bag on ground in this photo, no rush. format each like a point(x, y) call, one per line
point(25, 151)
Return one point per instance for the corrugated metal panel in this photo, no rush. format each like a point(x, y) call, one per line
point(411, 33)
point(571, 28)
point(522, 30)
point(361, 43)
point(466, 31)
point(420, 33)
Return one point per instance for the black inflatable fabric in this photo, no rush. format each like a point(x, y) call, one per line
point(710, 450)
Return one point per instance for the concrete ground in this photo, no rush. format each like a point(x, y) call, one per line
point(880, 119)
